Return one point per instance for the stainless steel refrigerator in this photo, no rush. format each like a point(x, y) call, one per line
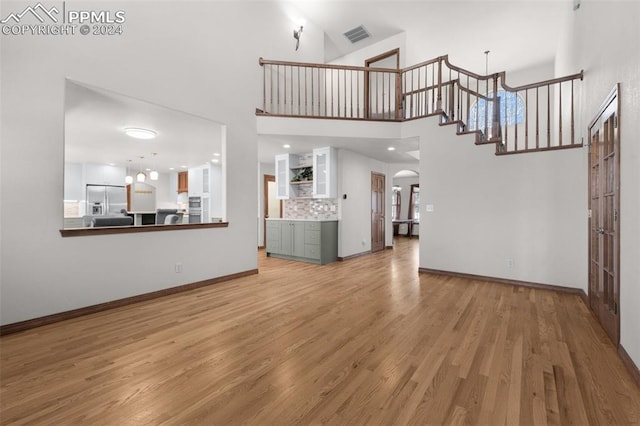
point(105, 200)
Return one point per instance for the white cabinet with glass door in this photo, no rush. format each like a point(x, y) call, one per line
point(283, 163)
point(325, 183)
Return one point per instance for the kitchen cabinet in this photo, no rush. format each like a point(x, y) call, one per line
point(283, 176)
point(325, 182)
point(307, 176)
point(308, 241)
point(104, 174)
point(183, 182)
point(292, 238)
point(198, 181)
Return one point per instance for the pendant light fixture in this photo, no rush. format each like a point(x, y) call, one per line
point(153, 174)
point(141, 176)
point(128, 179)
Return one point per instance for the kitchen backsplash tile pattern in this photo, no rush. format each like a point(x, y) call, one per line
point(326, 209)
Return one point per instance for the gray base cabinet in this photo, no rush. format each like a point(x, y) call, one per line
point(308, 241)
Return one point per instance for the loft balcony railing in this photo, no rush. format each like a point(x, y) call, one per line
point(533, 117)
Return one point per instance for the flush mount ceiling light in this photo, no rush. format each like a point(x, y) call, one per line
point(391, 148)
point(286, 146)
point(139, 133)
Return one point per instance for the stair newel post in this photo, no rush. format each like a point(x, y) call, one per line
point(452, 100)
point(439, 100)
point(399, 108)
point(495, 120)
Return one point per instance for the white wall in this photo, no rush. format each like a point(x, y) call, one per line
point(354, 228)
point(358, 57)
point(263, 169)
point(179, 56)
point(166, 191)
point(530, 208)
point(608, 54)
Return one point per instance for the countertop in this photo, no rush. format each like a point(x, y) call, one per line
point(303, 220)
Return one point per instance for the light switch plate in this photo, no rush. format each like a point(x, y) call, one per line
point(430, 207)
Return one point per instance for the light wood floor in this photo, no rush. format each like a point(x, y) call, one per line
point(366, 341)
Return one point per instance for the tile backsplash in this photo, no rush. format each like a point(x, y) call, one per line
point(306, 208)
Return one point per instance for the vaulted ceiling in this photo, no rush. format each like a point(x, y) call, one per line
point(518, 33)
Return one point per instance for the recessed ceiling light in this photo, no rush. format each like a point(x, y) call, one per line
point(391, 148)
point(286, 146)
point(112, 164)
point(184, 167)
point(215, 160)
point(216, 154)
point(172, 168)
point(139, 133)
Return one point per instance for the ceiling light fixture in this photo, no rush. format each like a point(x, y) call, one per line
point(391, 148)
point(215, 160)
point(296, 35)
point(138, 133)
point(286, 146)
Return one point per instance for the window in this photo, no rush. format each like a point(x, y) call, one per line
point(414, 202)
point(511, 111)
point(396, 198)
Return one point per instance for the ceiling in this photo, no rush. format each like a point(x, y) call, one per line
point(518, 33)
point(405, 151)
point(95, 120)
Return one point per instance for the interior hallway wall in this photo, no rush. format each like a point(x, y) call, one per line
point(490, 209)
point(602, 37)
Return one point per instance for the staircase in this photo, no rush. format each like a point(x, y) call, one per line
point(530, 118)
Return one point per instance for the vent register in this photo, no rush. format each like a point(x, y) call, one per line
point(357, 34)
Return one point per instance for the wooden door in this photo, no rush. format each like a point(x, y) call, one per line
point(272, 205)
point(604, 223)
point(377, 211)
point(381, 90)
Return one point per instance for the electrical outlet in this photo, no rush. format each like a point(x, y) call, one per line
point(430, 208)
point(178, 268)
point(511, 263)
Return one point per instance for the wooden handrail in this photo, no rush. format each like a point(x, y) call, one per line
point(430, 88)
point(549, 82)
point(263, 62)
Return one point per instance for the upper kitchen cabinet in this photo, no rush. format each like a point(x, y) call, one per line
point(183, 182)
point(325, 182)
point(283, 164)
point(311, 175)
point(198, 181)
point(104, 174)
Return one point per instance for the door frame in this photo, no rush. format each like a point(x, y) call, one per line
point(384, 208)
point(265, 205)
point(367, 64)
point(611, 101)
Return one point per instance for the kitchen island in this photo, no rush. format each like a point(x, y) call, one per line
point(306, 240)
